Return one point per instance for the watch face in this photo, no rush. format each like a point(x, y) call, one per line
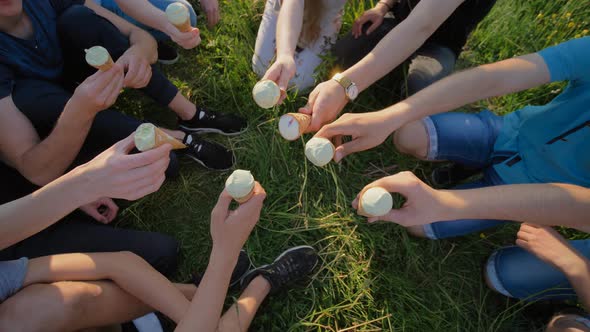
point(352, 92)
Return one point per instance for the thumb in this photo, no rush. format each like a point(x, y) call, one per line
point(284, 79)
point(347, 148)
point(125, 145)
point(221, 209)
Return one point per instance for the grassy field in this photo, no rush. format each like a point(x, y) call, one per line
point(374, 277)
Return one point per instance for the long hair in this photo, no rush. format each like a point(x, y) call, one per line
point(312, 16)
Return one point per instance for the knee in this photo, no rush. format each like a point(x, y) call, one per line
point(74, 19)
point(412, 139)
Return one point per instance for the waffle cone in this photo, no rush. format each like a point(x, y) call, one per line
point(244, 199)
point(304, 121)
point(160, 138)
point(107, 65)
point(184, 27)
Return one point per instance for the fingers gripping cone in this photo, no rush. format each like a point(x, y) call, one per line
point(375, 202)
point(99, 58)
point(147, 137)
point(177, 14)
point(240, 185)
point(293, 125)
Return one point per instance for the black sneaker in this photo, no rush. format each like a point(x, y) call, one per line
point(242, 267)
point(209, 154)
point(291, 266)
point(206, 121)
point(167, 54)
point(445, 176)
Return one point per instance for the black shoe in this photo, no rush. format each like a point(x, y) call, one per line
point(291, 266)
point(206, 121)
point(209, 154)
point(167, 55)
point(242, 267)
point(445, 176)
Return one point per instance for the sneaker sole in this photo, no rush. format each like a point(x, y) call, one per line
point(209, 168)
point(169, 62)
point(210, 131)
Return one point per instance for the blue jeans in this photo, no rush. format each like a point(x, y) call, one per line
point(467, 139)
point(514, 272)
point(112, 6)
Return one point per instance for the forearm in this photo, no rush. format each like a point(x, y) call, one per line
point(128, 271)
point(579, 278)
point(205, 309)
point(472, 85)
point(289, 27)
point(31, 214)
point(401, 42)
point(145, 43)
point(544, 204)
point(49, 159)
point(144, 12)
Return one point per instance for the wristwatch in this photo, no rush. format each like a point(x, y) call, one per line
point(350, 88)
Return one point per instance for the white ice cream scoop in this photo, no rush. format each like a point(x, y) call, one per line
point(266, 93)
point(375, 202)
point(240, 185)
point(319, 151)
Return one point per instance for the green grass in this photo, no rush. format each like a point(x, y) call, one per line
point(373, 277)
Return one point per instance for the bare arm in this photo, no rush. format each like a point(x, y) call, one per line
point(125, 269)
point(544, 204)
point(144, 12)
point(402, 41)
point(580, 280)
point(141, 41)
point(289, 27)
point(113, 173)
point(42, 161)
point(371, 129)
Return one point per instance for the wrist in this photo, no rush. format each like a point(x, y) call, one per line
point(576, 267)
point(223, 256)
point(450, 204)
point(382, 7)
point(79, 186)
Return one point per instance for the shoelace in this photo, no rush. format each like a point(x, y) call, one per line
point(287, 269)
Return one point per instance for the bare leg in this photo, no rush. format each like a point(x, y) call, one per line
point(566, 323)
point(69, 306)
point(240, 315)
point(412, 139)
point(188, 290)
point(127, 270)
point(183, 107)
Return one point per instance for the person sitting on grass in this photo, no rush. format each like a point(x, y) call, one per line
point(69, 292)
point(431, 33)
point(42, 59)
point(535, 161)
point(544, 265)
point(300, 32)
point(149, 15)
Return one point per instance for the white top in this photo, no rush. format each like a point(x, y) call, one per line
point(240, 183)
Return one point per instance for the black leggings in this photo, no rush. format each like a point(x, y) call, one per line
point(42, 102)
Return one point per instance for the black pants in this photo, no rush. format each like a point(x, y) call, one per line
point(429, 64)
point(42, 102)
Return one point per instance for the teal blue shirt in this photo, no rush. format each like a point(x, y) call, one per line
point(551, 143)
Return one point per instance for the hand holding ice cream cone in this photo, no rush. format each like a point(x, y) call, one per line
point(240, 185)
point(99, 58)
point(147, 137)
point(293, 125)
point(177, 13)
